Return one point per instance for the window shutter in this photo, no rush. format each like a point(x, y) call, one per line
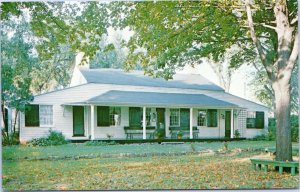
point(260, 120)
point(212, 118)
point(32, 116)
point(135, 117)
point(102, 116)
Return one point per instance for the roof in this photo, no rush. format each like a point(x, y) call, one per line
point(132, 98)
point(137, 78)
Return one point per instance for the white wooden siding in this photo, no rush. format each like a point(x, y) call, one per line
point(63, 117)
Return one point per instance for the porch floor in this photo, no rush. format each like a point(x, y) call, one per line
point(126, 141)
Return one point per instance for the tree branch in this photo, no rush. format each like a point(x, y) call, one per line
point(257, 42)
point(294, 20)
point(269, 26)
point(294, 54)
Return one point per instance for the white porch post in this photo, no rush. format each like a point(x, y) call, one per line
point(231, 124)
point(144, 122)
point(92, 122)
point(191, 123)
point(10, 119)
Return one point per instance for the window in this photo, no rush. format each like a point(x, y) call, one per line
point(148, 116)
point(255, 119)
point(201, 117)
point(212, 118)
point(115, 115)
point(32, 116)
point(38, 115)
point(174, 117)
point(46, 115)
point(251, 119)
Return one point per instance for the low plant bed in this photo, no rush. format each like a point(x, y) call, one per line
point(281, 164)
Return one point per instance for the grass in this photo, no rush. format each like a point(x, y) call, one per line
point(23, 152)
point(220, 171)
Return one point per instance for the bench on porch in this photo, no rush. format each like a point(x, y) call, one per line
point(281, 164)
point(138, 131)
point(185, 130)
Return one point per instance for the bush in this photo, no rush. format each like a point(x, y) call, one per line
point(272, 133)
point(54, 138)
point(260, 138)
point(10, 139)
point(99, 143)
point(159, 133)
point(237, 134)
point(294, 128)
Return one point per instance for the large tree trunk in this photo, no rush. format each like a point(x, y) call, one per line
point(280, 72)
point(283, 129)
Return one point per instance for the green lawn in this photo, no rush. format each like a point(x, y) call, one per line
point(225, 171)
point(23, 152)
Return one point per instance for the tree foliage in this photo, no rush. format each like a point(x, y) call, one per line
point(263, 91)
point(170, 35)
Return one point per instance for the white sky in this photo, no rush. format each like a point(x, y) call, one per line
point(240, 79)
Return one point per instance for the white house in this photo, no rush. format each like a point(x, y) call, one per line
point(103, 103)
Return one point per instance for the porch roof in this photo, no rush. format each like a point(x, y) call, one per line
point(154, 99)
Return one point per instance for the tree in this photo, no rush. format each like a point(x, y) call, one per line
point(175, 34)
point(279, 67)
point(16, 66)
point(23, 69)
point(223, 68)
point(54, 73)
point(111, 53)
point(263, 88)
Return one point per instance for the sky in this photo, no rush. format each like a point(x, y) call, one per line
point(239, 83)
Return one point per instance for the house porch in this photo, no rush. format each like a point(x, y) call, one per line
point(124, 122)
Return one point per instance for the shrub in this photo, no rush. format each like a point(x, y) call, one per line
point(99, 143)
point(260, 138)
point(294, 128)
point(10, 139)
point(159, 133)
point(54, 138)
point(237, 134)
point(180, 134)
point(225, 145)
point(272, 133)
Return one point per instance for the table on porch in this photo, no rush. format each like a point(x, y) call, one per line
point(132, 131)
point(185, 130)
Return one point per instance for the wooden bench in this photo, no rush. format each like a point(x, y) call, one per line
point(281, 164)
point(130, 133)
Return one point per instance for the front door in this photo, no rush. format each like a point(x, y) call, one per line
point(227, 124)
point(160, 117)
point(160, 122)
point(78, 121)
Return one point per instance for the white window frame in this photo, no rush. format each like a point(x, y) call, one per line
point(111, 116)
point(177, 125)
point(205, 124)
point(48, 113)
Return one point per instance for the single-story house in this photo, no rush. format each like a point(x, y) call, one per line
point(111, 103)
